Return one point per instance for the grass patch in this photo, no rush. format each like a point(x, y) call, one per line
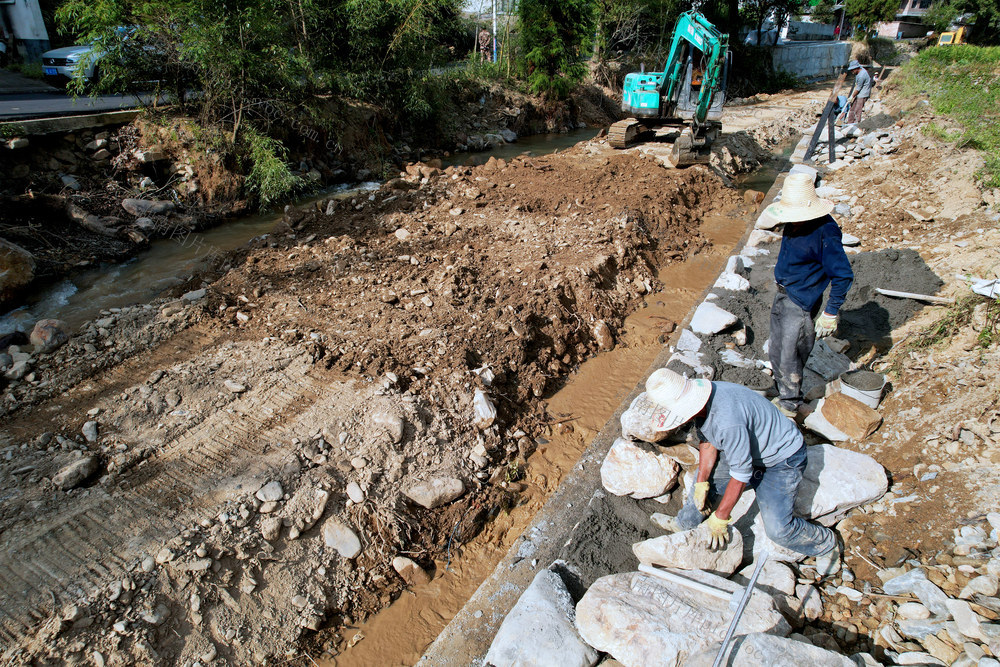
point(963, 82)
point(30, 70)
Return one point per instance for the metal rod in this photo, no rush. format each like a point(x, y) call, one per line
point(827, 110)
point(684, 581)
point(739, 610)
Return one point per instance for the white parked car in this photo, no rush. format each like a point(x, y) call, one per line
point(71, 62)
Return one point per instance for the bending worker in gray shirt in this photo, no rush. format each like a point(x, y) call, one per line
point(745, 442)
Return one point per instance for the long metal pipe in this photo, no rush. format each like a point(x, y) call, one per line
point(740, 609)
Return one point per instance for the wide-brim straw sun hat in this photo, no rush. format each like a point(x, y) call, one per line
point(677, 398)
point(799, 202)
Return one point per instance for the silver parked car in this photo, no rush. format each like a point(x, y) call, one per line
point(71, 62)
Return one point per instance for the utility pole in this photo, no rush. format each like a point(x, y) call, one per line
point(494, 30)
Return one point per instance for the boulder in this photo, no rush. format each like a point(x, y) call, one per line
point(637, 469)
point(340, 537)
point(48, 335)
point(645, 621)
point(392, 425)
point(17, 270)
point(775, 577)
point(709, 319)
point(146, 207)
point(690, 550)
point(850, 416)
point(305, 507)
point(540, 629)
point(510, 136)
point(837, 480)
point(637, 421)
point(757, 649)
point(76, 473)
point(435, 492)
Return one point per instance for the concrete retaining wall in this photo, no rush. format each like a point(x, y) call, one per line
point(813, 60)
point(801, 31)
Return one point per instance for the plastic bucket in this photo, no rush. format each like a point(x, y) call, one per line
point(864, 386)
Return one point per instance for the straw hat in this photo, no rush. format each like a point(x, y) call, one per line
point(677, 398)
point(799, 203)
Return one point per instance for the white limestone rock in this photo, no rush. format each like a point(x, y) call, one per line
point(710, 319)
point(645, 621)
point(690, 550)
point(637, 469)
point(435, 492)
point(540, 630)
point(837, 480)
point(757, 649)
point(341, 538)
point(775, 577)
point(637, 421)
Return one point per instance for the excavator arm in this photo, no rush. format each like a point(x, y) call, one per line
point(694, 29)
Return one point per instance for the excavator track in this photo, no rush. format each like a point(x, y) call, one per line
point(624, 132)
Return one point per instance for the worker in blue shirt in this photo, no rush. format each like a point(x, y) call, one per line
point(811, 259)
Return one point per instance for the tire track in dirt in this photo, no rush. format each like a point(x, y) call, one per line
point(68, 557)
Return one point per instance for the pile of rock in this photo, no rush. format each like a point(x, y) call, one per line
point(924, 625)
point(851, 143)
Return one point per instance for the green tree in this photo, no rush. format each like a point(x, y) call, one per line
point(941, 15)
point(553, 35)
point(866, 14)
point(823, 12)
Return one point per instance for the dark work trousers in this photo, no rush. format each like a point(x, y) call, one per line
point(792, 336)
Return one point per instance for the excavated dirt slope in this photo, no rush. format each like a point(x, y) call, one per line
point(338, 357)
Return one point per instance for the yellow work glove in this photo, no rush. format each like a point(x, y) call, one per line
point(826, 325)
point(719, 528)
point(701, 495)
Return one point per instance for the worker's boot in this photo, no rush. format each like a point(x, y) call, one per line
point(828, 564)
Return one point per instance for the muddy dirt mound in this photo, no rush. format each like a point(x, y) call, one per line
point(213, 476)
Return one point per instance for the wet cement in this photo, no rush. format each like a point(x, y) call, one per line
point(867, 318)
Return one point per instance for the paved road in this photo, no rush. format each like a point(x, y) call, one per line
point(44, 105)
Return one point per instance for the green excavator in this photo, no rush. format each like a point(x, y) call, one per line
point(686, 96)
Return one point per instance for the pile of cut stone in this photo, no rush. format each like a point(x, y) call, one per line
point(852, 143)
point(649, 618)
point(925, 626)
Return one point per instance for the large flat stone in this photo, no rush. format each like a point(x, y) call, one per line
point(710, 319)
point(637, 469)
point(540, 630)
point(837, 480)
point(915, 582)
point(644, 621)
point(690, 550)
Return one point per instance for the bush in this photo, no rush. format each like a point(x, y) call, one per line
point(269, 177)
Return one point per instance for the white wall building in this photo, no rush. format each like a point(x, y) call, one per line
point(23, 20)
